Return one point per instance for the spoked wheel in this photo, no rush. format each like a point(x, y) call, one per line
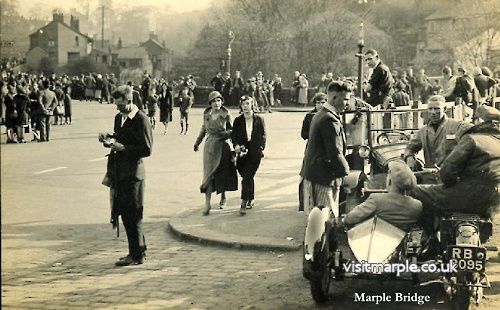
point(320, 285)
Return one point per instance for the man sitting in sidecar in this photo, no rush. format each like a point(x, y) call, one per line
point(395, 206)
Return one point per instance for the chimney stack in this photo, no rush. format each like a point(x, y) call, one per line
point(75, 23)
point(153, 36)
point(57, 17)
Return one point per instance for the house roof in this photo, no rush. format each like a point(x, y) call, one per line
point(107, 47)
point(132, 52)
point(67, 26)
point(155, 42)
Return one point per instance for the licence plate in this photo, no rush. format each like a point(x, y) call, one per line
point(467, 258)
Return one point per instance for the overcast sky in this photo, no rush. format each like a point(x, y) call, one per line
point(43, 8)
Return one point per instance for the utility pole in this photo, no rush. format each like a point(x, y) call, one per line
point(231, 39)
point(102, 28)
point(361, 44)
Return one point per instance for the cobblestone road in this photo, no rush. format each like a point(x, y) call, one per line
point(176, 275)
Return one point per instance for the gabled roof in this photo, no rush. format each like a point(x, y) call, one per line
point(67, 26)
point(155, 42)
point(132, 52)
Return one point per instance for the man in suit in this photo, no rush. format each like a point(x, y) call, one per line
point(217, 82)
point(49, 102)
point(133, 141)
point(381, 80)
point(324, 163)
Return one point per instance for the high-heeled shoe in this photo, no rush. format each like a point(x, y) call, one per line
point(222, 204)
point(206, 210)
point(243, 207)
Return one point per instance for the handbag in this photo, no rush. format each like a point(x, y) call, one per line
point(59, 109)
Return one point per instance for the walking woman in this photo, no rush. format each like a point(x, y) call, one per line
point(165, 101)
point(219, 173)
point(67, 105)
point(249, 139)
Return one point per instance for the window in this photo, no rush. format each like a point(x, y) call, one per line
point(77, 43)
point(52, 43)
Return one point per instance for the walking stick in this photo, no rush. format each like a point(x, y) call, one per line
point(114, 210)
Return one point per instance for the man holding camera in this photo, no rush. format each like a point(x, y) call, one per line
point(133, 140)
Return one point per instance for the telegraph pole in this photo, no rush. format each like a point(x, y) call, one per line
point(231, 37)
point(102, 28)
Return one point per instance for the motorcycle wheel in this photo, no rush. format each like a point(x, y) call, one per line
point(461, 298)
point(320, 286)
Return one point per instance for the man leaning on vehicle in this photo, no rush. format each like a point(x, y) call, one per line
point(437, 138)
point(470, 174)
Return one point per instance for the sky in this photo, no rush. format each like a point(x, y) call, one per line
point(43, 8)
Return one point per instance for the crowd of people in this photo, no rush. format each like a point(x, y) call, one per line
point(34, 102)
point(266, 93)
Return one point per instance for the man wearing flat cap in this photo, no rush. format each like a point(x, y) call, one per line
point(470, 174)
point(133, 140)
point(394, 206)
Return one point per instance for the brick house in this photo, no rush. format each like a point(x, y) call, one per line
point(160, 56)
point(61, 42)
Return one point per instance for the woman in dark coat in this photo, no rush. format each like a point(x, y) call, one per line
point(219, 173)
point(67, 105)
point(21, 102)
point(165, 101)
point(11, 113)
point(249, 139)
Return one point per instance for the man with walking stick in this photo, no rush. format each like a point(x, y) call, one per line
point(131, 141)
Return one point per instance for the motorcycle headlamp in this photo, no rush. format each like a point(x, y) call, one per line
point(364, 151)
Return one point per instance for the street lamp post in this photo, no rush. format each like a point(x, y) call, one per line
point(231, 39)
point(361, 44)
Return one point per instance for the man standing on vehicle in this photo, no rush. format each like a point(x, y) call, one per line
point(438, 138)
point(381, 81)
point(324, 163)
point(470, 174)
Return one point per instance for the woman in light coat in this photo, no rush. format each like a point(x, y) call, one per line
point(303, 85)
point(219, 172)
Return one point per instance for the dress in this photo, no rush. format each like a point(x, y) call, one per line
point(67, 106)
point(217, 159)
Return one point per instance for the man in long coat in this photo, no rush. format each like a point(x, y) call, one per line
point(133, 141)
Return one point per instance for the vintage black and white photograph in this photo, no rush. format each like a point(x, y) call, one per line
point(250, 154)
